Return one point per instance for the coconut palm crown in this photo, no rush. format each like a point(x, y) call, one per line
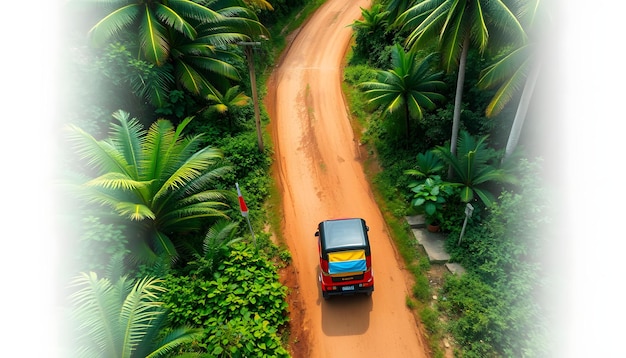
point(123, 319)
point(156, 178)
point(409, 88)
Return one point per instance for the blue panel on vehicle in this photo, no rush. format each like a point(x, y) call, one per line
point(346, 262)
point(346, 267)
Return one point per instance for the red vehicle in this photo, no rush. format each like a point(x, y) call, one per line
point(345, 257)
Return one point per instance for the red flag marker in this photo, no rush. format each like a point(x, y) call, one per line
point(242, 203)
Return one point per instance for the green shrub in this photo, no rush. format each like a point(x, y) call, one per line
point(496, 307)
point(421, 288)
point(430, 319)
point(244, 305)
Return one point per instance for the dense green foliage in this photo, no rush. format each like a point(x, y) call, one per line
point(499, 302)
point(198, 71)
point(475, 166)
point(240, 305)
point(219, 284)
point(406, 90)
point(495, 309)
point(122, 318)
point(431, 195)
point(156, 178)
point(188, 36)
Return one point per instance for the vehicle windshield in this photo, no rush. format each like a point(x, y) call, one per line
point(344, 233)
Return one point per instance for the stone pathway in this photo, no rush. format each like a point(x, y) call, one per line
point(433, 244)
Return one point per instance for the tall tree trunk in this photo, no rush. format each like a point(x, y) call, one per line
point(522, 109)
point(458, 99)
point(408, 121)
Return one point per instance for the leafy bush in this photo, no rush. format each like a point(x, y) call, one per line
point(431, 195)
point(421, 288)
point(250, 167)
point(496, 306)
point(242, 306)
point(430, 319)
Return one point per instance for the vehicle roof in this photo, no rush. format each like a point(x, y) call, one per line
point(343, 233)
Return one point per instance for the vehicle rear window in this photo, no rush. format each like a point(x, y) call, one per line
point(344, 233)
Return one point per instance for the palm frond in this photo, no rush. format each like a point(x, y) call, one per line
point(134, 211)
point(175, 20)
point(506, 21)
point(96, 305)
point(479, 31)
point(485, 196)
point(98, 195)
point(126, 138)
point(509, 73)
point(203, 182)
point(139, 308)
point(115, 181)
point(192, 212)
point(259, 4)
point(192, 168)
point(114, 23)
point(100, 155)
point(452, 42)
point(155, 85)
point(207, 196)
point(214, 65)
point(153, 38)
point(190, 78)
point(219, 235)
point(158, 150)
point(193, 10)
point(162, 244)
point(174, 339)
point(249, 27)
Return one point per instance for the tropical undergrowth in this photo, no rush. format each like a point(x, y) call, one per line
point(240, 304)
point(495, 309)
point(223, 282)
point(498, 307)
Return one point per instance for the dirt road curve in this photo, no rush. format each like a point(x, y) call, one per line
point(318, 167)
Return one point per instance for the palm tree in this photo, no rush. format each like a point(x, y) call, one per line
point(152, 21)
point(397, 7)
point(456, 25)
point(123, 319)
point(215, 247)
point(205, 63)
point(371, 32)
point(222, 103)
point(185, 33)
point(409, 87)
point(518, 69)
point(428, 164)
point(156, 178)
point(473, 166)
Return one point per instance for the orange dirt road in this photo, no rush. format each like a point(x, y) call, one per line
point(319, 171)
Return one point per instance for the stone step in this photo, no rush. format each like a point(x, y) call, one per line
point(416, 221)
point(455, 268)
point(433, 244)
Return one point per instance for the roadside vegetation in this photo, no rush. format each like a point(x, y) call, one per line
point(439, 146)
point(159, 126)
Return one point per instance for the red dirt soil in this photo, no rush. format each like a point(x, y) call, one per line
point(319, 170)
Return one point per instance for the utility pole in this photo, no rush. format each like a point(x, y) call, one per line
point(248, 48)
